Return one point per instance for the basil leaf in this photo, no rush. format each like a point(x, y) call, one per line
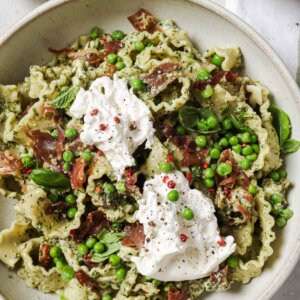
point(50, 179)
point(110, 249)
point(188, 116)
point(281, 122)
point(65, 98)
point(239, 125)
point(290, 146)
point(112, 238)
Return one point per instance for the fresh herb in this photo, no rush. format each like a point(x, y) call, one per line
point(65, 98)
point(50, 179)
point(110, 249)
point(237, 123)
point(112, 238)
point(290, 146)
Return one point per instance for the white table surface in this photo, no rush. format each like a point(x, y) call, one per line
point(278, 21)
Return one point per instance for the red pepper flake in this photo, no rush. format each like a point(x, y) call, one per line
point(171, 184)
point(131, 181)
point(128, 172)
point(94, 112)
point(205, 165)
point(27, 170)
point(221, 243)
point(97, 189)
point(165, 179)
point(100, 152)
point(132, 125)
point(183, 237)
point(188, 176)
point(212, 190)
point(117, 120)
point(92, 147)
point(170, 158)
point(103, 126)
point(244, 145)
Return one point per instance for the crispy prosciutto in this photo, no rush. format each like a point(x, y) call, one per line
point(88, 261)
point(230, 77)
point(94, 223)
point(45, 259)
point(219, 277)
point(78, 176)
point(111, 47)
point(175, 294)
point(142, 20)
point(9, 163)
point(49, 110)
point(194, 157)
point(85, 280)
point(161, 76)
point(44, 145)
point(135, 236)
point(92, 58)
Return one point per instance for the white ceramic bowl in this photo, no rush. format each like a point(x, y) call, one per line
point(59, 22)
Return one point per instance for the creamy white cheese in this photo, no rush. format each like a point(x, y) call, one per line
point(166, 255)
point(115, 121)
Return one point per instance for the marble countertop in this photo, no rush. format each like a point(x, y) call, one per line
point(276, 20)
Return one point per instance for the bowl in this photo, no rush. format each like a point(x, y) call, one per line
point(59, 22)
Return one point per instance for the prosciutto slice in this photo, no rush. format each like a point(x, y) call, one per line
point(143, 20)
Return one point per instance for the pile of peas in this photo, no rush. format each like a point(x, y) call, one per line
point(67, 273)
point(281, 213)
point(173, 196)
point(69, 199)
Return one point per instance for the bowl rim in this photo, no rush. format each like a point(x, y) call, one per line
point(235, 20)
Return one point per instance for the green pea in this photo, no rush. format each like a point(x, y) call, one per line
point(227, 124)
point(106, 297)
point(137, 84)
point(201, 141)
point(276, 198)
point(67, 273)
point(252, 157)
point(62, 297)
point(71, 212)
point(118, 35)
point(71, 133)
point(114, 259)
point(95, 32)
point(112, 58)
point(139, 46)
point(232, 262)
point(214, 153)
point(116, 226)
point(274, 175)
point(55, 251)
point(90, 242)
point(277, 208)
point(208, 173)
point(228, 135)
point(121, 187)
point(246, 137)
point(120, 65)
point(180, 130)
point(247, 150)
point(237, 148)
point(280, 222)
point(245, 164)
point(54, 133)
point(173, 196)
point(287, 213)
point(209, 182)
point(282, 173)
point(70, 199)
point(252, 189)
point(68, 156)
point(239, 136)
point(66, 166)
point(120, 59)
point(223, 142)
point(203, 75)
point(166, 167)
point(202, 125)
point(254, 138)
point(28, 161)
point(87, 155)
point(255, 148)
point(217, 146)
point(207, 92)
point(217, 60)
point(213, 167)
point(121, 273)
point(82, 249)
point(156, 282)
point(53, 197)
point(212, 122)
point(109, 188)
point(233, 141)
point(60, 265)
point(149, 44)
point(188, 214)
point(99, 247)
point(224, 169)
